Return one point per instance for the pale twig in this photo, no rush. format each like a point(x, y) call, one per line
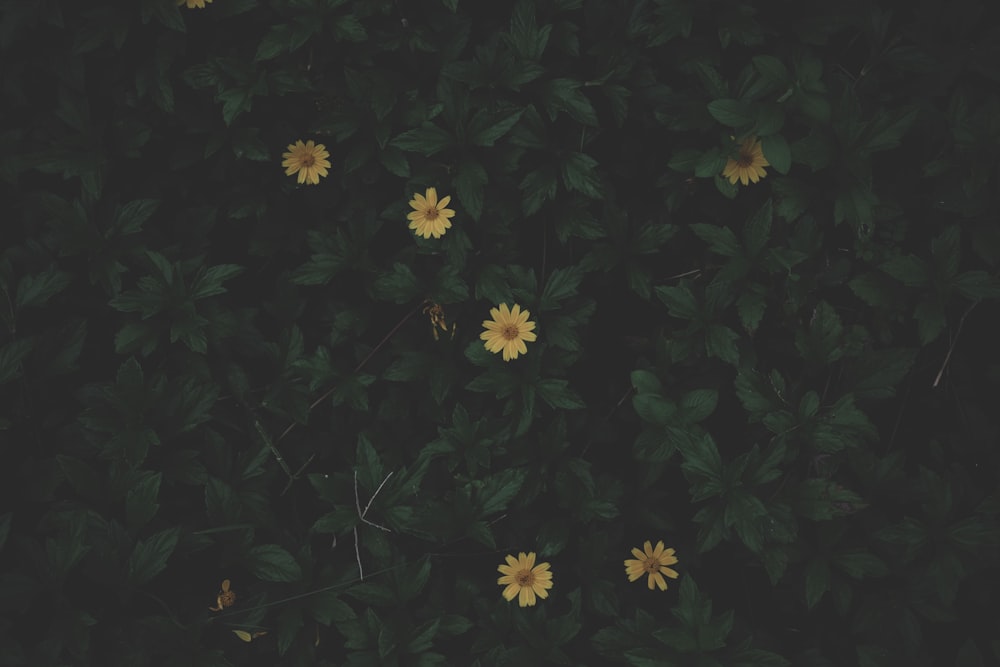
point(357, 554)
point(954, 341)
point(298, 473)
point(357, 501)
point(357, 368)
point(274, 450)
point(685, 274)
point(361, 516)
point(608, 416)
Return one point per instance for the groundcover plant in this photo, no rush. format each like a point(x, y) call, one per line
point(528, 332)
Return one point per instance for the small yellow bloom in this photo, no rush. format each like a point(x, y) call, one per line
point(524, 580)
point(429, 216)
point(508, 331)
point(749, 163)
point(247, 637)
point(653, 562)
point(192, 4)
point(226, 598)
point(308, 160)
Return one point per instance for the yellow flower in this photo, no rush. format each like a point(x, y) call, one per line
point(226, 598)
point(308, 160)
point(507, 331)
point(749, 163)
point(429, 216)
point(524, 580)
point(653, 562)
point(191, 4)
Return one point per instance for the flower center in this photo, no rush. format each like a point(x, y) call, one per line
point(308, 160)
point(227, 599)
point(745, 159)
point(651, 565)
point(431, 213)
point(524, 578)
point(510, 332)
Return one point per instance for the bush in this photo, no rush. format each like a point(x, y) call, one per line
point(249, 417)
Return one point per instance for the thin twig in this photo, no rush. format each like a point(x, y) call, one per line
point(685, 274)
point(298, 473)
point(357, 554)
point(358, 368)
point(274, 450)
point(299, 596)
point(363, 514)
point(608, 416)
point(954, 341)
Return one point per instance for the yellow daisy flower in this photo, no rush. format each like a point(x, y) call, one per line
point(749, 163)
point(192, 4)
point(226, 598)
point(429, 216)
point(524, 580)
point(653, 562)
point(507, 331)
point(308, 160)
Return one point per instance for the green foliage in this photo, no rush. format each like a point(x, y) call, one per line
point(209, 372)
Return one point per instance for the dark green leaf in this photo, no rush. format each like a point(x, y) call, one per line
point(269, 562)
point(149, 557)
point(538, 186)
point(579, 172)
point(130, 217)
point(350, 29)
point(487, 126)
point(859, 563)
point(710, 164)
point(697, 405)
point(558, 394)
point(140, 501)
point(907, 269)
point(35, 290)
point(210, 282)
point(817, 581)
point(470, 179)
point(720, 342)
point(977, 285)
point(679, 301)
point(751, 305)
point(286, 38)
point(11, 356)
point(975, 534)
point(498, 490)
point(561, 285)
point(701, 459)
point(721, 240)
point(772, 70)
point(777, 152)
point(395, 162)
point(398, 286)
point(821, 499)
point(733, 113)
point(428, 139)
point(564, 95)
